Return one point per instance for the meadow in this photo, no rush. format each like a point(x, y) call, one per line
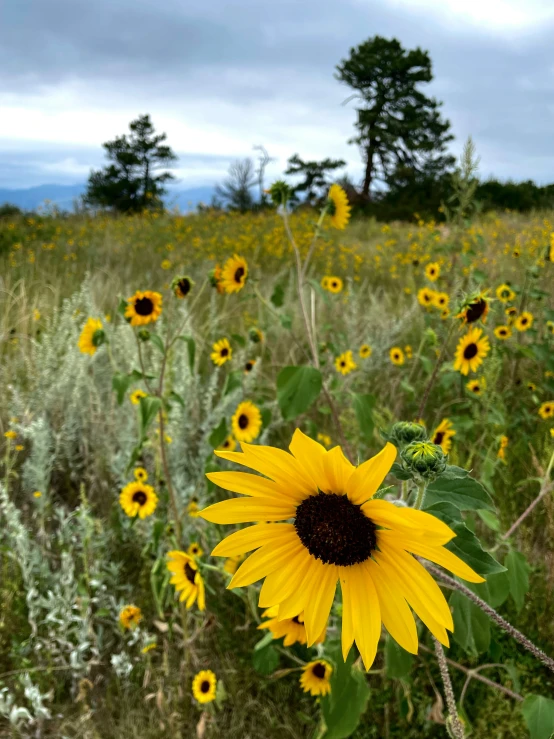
point(108, 430)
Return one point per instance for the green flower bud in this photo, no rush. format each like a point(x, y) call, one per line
point(404, 432)
point(280, 192)
point(424, 460)
point(99, 337)
point(255, 335)
point(143, 334)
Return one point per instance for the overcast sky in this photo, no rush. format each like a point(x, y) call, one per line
point(219, 76)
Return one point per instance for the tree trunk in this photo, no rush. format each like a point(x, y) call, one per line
point(368, 177)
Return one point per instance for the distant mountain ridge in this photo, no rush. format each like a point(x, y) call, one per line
point(30, 198)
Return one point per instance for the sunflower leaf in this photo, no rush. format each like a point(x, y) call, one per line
point(363, 407)
point(192, 349)
point(467, 546)
point(398, 662)
point(538, 713)
point(265, 660)
point(158, 343)
point(342, 708)
point(120, 384)
point(149, 407)
point(465, 493)
point(218, 434)
point(518, 576)
point(297, 388)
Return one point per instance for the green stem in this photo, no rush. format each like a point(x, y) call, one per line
point(421, 488)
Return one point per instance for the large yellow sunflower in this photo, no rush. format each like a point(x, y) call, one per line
point(338, 207)
point(204, 686)
point(91, 336)
point(234, 274)
point(186, 578)
point(292, 629)
point(247, 422)
point(143, 308)
point(221, 353)
point(344, 363)
point(337, 532)
point(442, 435)
point(471, 350)
point(138, 498)
point(315, 677)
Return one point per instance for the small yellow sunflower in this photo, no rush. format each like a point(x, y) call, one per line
point(91, 336)
point(130, 617)
point(397, 356)
point(365, 351)
point(249, 366)
point(292, 629)
point(531, 386)
point(547, 409)
point(476, 387)
point(221, 353)
point(246, 422)
point(10, 435)
point(426, 297)
point(334, 284)
point(344, 363)
point(138, 498)
point(432, 271)
point(550, 327)
point(195, 550)
point(143, 308)
point(504, 293)
point(315, 677)
point(234, 274)
point(193, 508)
point(502, 332)
point(524, 321)
point(442, 435)
point(441, 301)
point(231, 563)
point(511, 313)
point(186, 578)
point(204, 686)
point(136, 395)
point(228, 445)
point(182, 286)
point(141, 475)
point(338, 207)
point(471, 350)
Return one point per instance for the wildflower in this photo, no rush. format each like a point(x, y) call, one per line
point(471, 350)
point(408, 351)
point(19, 447)
point(192, 508)
point(325, 282)
point(130, 617)
point(476, 386)
point(204, 686)
point(141, 475)
point(92, 336)
point(181, 286)
point(397, 356)
point(524, 321)
point(338, 207)
point(138, 498)
point(37, 494)
point(547, 409)
point(222, 352)
point(255, 336)
point(370, 551)
point(474, 309)
point(231, 563)
point(249, 366)
point(502, 450)
point(504, 293)
point(195, 550)
point(246, 422)
point(36, 315)
point(426, 297)
point(333, 284)
point(10, 435)
point(365, 351)
point(441, 300)
point(234, 274)
point(215, 279)
point(530, 386)
point(432, 271)
point(136, 395)
point(443, 434)
point(143, 308)
point(344, 363)
point(511, 313)
point(148, 648)
point(315, 677)
point(502, 332)
point(292, 629)
point(166, 264)
point(186, 578)
point(228, 445)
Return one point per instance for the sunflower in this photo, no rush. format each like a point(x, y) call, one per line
point(511, 313)
point(215, 279)
point(365, 351)
point(130, 616)
point(222, 352)
point(504, 441)
point(234, 274)
point(141, 475)
point(195, 550)
point(249, 366)
point(531, 386)
point(337, 533)
point(91, 336)
point(204, 686)
point(315, 677)
point(441, 300)
point(181, 286)
point(474, 309)
point(136, 497)
point(334, 284)
point(136, 395)
point(443, 434)
point(408, 351)
point(444, 314)
point(338, 207)
point(476, 386)
point(228, 445)
point(192, 508)
point(186, 578)
point(426, 297)
point(502, 332)
point(547, 409)
point(256, 336)
point(432, 271)
point(344, 363)
point(471, 350)
point(292, 629)
point(504, 293)
point(143, 308)
point(524, 321)
point(397, 356)
point(231, 563)
point(247, 422)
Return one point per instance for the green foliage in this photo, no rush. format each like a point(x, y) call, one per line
point(398, 662)
point(315, 175)
point(457, 487)
point(342, 708)
point(363, 407)
point(297, 389)
point(538, 713)
point(518, 577)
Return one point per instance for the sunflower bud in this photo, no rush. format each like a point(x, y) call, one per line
point(98, 337)
point(280, 192)
point(181, 286)
point(143, 334)
point(424, 460)
point(404, 433)
point(255, 335)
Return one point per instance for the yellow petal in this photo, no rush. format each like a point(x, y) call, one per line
point(246, 510)
point(444, 558)
point(364, 482)
point(402, 521)
point(310, 455)
point(366, 613)
point(297, 601)
point(253, 537)
point(347, 637)
point(280, 585)
point(247, 484)
point(337, 470)
point(265, 560)
point(316, 613)
point(281, 467)
point(395, 612)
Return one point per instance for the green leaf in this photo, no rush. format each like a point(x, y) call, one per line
point(278, 297)
point(538, 713)
point(490, 519)
point(467, 546)
point(499, 589)
point(266, 639)
point(518, 577)
point(265, 660)
point(342, 708)
point(464, 492)
point(398, 662)
point(233, 381)
point(399, 472)
point(471, 625)
point(266, 417)
point(297, 388)
point(446, 512)
point(191, 349)
point(177, 398)
point(149, 407)
point(218, 434)
point(363, 407)
point(238, 339)
point(286, 321)
point(158, 343)
point(121, 383)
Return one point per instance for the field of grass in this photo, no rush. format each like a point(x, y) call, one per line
point(71, 439)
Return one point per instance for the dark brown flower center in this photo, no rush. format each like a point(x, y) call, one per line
point(224, 352)
point(243, 421)
point(144, 306)
point(140, 497)
point(476, 310)
point(204, 686)
point(523, 321)
point(239, 274)
point(335, 530)
point(439, 436)
point(470, 351)
point(184, 286)
point(190, 573)
point(296, 621)
point(319, 670)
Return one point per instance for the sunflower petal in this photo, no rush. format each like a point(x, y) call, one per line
point(278, 586)
point(364, 482)
point(310, 455)
point(395, 612)
point(253, 537)
point(402, 521)
point(444, 558)
point(337, 470)
point(366, 613)
point(296, 602)
point(316, 613)
point(281, 466)
point(347, 637)
point(261, 563)
point(247, 484)
point(246, 510)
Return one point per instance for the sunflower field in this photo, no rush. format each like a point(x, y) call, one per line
point(282, 474)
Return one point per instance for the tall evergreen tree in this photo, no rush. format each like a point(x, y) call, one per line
point(398, 126)
point(315, 176)
point(135, 179)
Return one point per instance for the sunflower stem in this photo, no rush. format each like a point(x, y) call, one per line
point(421, 489)
point(453, 722)
point(433, 377)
